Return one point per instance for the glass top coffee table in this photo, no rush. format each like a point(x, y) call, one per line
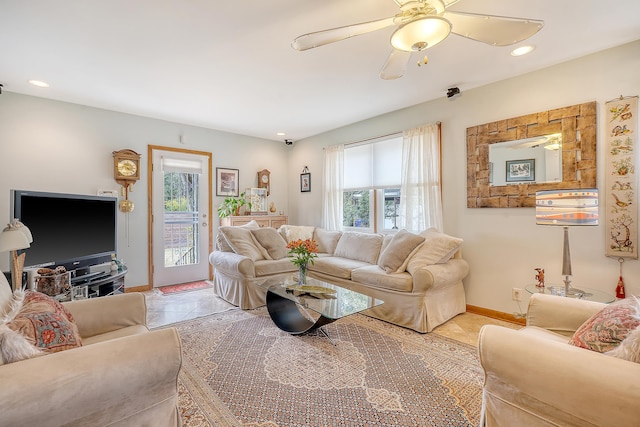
point(298, 309)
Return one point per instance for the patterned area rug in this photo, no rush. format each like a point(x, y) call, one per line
point(184, 287)
point(239, 369)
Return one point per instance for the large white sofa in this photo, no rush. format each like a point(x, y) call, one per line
point(422, 289)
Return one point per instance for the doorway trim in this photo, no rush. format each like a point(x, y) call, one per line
point(150, 150)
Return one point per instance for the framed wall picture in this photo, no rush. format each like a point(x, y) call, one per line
point(305, 182)
point(227, 182)
point(521, 170)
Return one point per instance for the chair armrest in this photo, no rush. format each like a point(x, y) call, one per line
point(92, 385)
point(439, 275)
point(560, 314)
point(232, 264)
point(96, 316)
point(570, 385)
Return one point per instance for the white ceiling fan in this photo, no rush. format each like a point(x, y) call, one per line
point(422, 24)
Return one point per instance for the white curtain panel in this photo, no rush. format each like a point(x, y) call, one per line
point(420, 198)
point(332, 187)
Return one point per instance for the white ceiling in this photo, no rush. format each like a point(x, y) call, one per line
point(229, 65)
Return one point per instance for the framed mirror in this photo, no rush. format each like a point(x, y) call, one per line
point(502, 177)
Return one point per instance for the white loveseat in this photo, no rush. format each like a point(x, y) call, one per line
point(422, 289)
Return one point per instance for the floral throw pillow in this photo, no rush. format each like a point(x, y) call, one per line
point(46, 323)
point(606, 329)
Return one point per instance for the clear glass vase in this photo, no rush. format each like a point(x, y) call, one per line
point(302, 274)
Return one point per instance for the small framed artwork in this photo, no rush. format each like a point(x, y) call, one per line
point(305, 182)
point(521, 170)
point(227, 182)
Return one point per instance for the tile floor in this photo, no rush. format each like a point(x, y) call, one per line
point(166, 309)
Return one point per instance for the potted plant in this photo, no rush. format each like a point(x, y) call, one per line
point(231, 205)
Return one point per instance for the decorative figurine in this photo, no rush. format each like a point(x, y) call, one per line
point(272, 207)
point(540, 278)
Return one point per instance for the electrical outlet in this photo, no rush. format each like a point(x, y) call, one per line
point(516, 294)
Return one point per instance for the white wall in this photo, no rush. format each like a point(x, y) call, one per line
point(503, 246)
point(54, 146)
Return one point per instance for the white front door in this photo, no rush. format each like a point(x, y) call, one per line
point(181, 182)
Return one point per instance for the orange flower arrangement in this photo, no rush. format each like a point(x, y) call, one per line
point(303, 251)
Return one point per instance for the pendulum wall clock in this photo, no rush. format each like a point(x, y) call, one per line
point(126, 171)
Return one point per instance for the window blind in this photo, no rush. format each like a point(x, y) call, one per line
point(373, 165)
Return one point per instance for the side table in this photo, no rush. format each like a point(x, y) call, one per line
point(589, 294)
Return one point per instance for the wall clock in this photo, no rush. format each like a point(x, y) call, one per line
point(126, 171)
point(264, 180)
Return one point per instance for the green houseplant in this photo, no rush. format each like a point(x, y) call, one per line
point(231, 205)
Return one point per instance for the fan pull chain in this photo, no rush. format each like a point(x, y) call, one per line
point(620, 288)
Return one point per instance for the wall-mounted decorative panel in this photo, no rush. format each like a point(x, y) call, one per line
point(577, 123)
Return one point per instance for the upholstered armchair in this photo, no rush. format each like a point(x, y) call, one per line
point(122, 375)
point(533, 377)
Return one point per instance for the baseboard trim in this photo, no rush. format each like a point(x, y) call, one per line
point(138, 289)
point(493, 314)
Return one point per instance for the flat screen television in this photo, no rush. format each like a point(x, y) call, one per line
point(70, 230)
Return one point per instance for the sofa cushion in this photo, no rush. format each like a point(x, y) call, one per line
point(221, 242)
point(242, 242)
point(359, 246)
point(271, 241)
point(337, 266)
point(46, 323)
point(292, 233)
point(606, 329)
point(374, 276)
point(395, 257)
point(437, 248)
point(327, 240)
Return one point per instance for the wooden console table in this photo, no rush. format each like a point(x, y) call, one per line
point(274, 221)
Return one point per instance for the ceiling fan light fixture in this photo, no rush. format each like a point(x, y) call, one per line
point(421, 33)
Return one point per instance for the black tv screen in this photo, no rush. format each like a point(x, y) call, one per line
point(74, 231)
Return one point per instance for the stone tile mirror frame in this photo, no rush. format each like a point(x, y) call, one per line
point(578, 126)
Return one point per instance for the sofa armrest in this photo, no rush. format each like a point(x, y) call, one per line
point(92, 385)
point(96, 316)
point(232, 264)
point(560, 314)
point(557, 381)
point(439, 275)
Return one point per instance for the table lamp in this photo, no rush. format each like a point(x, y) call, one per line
point(14, 237)
point(567, 208)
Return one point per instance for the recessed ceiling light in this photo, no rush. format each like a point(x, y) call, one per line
point(39, 83)
point(522, 50)
point(281, 134)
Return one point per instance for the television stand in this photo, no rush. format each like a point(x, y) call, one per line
point(100, 284)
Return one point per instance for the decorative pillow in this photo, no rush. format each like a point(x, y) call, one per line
point(242, 242)
point(296, 232)
point(221, 242)
point(5, 294)
point(606, 329)
point(46, 323)
point(327, 240)
point(395, 257)
point(437, 248)
point(271, 241)
point(14, 347)
point(359, 246)
point(629, 348)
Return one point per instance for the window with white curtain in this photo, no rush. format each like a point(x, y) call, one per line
point(372, 177)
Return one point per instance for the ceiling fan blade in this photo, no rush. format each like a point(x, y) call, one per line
point(493, 30)
point(396, 65)
point(320, 38)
